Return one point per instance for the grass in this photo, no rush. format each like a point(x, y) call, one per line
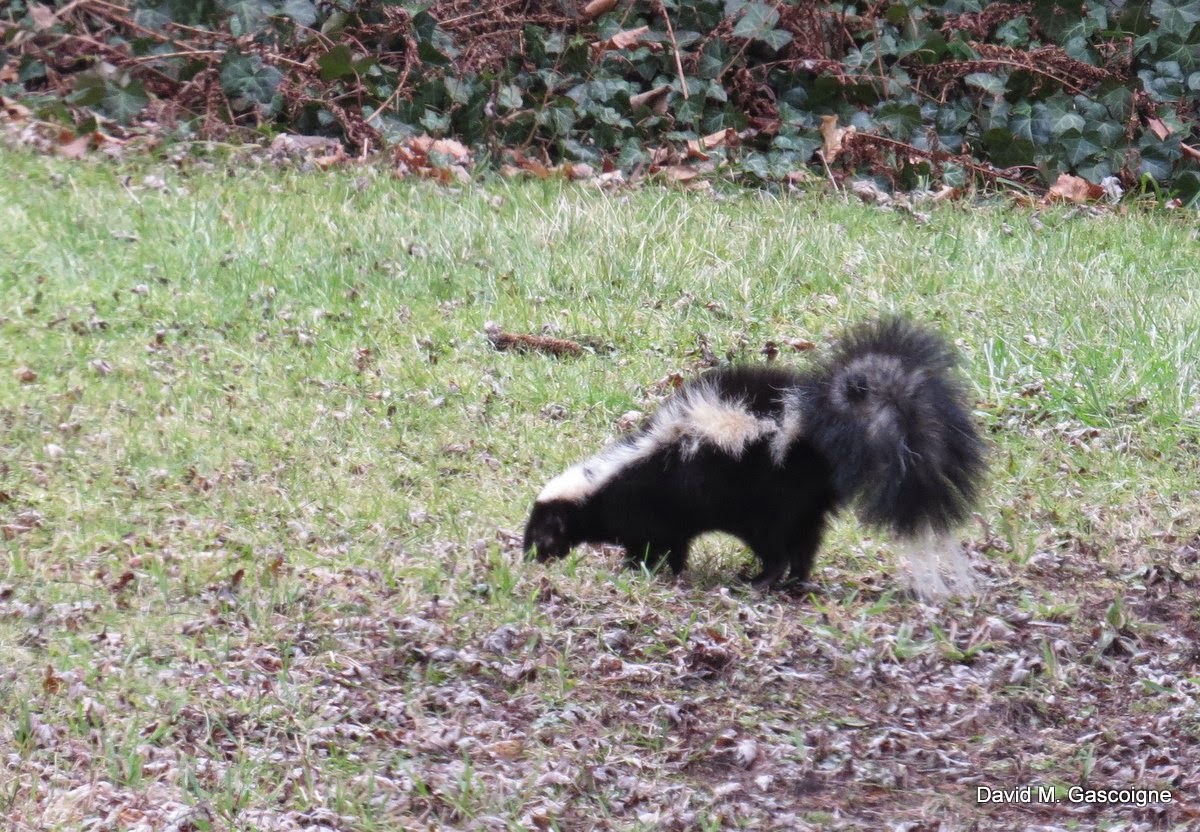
point(260, 505)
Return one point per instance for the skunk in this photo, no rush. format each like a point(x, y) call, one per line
point(769, 454)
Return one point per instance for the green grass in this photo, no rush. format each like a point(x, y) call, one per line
point(256, 560)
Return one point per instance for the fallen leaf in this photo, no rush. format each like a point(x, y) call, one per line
point(944, 193)
point(577, 170)
point(655, 99)
point(51, 681)
point(363, 359)
point(629, 420)
point(336, 158)
point(597, 8)
point(746, 753)
point(680, 173)
point(719, 137)
point(1068, 188)
point(506, 749)
point(697, 147)
point(43, 16)
point(452, 149)
point(76, 148)
point(870, 193)
point(627, 39)
point(1158, 128)
point(14, 111)
point(833, 137)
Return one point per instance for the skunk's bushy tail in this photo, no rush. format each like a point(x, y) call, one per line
point(888, 412)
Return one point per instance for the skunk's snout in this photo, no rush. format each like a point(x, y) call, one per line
point(546, 533)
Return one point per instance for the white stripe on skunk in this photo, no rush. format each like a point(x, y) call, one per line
point(768, 454)
point(696, 416)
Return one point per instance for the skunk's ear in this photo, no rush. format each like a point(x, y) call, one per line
point(548, 531)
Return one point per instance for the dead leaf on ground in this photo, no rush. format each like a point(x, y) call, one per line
point(1068, 188)
point(577, 170)
point(77, 148)
point(697, 147)
point(1158, 128)
point(520, 165)
point(627, 39)
point(833, 137)
point(443, 160)
point(870, 193)
point(944, 193)
point(51, 681)
point(680, 173)
point(14, 110)
point(687, 174)
point(329, 160)
point(655, 99)
point(597, 8)
point(297, 146)
point(43, 16)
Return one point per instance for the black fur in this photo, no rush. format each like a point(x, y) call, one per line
point(883, 425)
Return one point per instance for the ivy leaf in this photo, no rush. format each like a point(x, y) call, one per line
point(986, 81)
point(435, 123)
point(1006, 150)
point(247, 16)
point(88, 89)
point(1060, 116)
point(1079, 148)
point(124, 102)
point(713, 57)
point(336, 63)
point(1158, 156)
point(1020, 121)
point(1187, 188)
point(459, 90)
point(303, 12)
point(899, 119)
point(776, 38)
point(509, 97)
point(1057, 16)
point(250, 82)
point(1176, 18)
point(758, 22)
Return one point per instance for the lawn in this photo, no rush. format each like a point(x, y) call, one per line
point(263, 477)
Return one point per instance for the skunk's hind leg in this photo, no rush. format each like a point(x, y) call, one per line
point(805, 541)
point(790, 551)
point(774, 558)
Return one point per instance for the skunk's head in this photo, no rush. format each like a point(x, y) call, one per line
point(550, 530)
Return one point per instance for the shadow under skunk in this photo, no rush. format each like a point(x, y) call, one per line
point(769, 454)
